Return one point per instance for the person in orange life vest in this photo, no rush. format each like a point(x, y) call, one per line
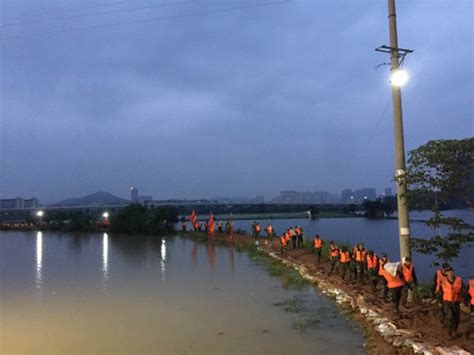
point(437, 290)
point(334, 255)
point(470, 295)
point(318, 246)
point(382, 261)
point(452, 296)
point(409, 276)
point(345, 262)
point(299, 234)
point(283, 244)
point(288, 238)
point(359, 257)
point(258, 229)
point(372, 269)
point(254, 225)
point(395, 286)
point(269, 230)
point(293, 237)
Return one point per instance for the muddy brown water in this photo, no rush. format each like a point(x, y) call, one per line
point(106, 294)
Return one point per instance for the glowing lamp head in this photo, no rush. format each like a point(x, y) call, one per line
point(399, 78)
point(105, 214)
point(40, 214)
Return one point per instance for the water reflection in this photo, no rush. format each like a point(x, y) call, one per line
point(105, 260)
point(39, 263)
point(211, 255)
point(231, 259)
point(163, 259)
point(194, 254)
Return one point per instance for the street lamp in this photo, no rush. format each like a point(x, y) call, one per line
point(105, 215)
point(399, 77)
point(40, 214)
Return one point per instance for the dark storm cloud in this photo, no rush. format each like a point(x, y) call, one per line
point(238, 103)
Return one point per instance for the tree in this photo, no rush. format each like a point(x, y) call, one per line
point(374, 209)
point(438, 172)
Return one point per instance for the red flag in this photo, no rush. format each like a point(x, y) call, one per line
point(192, 219)
point(211, 226)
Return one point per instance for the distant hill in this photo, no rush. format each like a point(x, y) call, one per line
point(96, 199)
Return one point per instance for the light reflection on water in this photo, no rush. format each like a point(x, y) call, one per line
point(163, 259)
point(105, 260)
point(39, 264)
point(209, 299)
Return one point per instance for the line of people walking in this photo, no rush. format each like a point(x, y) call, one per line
point(397, 280)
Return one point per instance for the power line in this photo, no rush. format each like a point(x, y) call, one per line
point(68, 17)
point(155, 19)
point(77, 9)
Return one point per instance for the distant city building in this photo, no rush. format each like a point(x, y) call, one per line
point(258, 199)
point(144, 199)
point(134, 194)
point(18, 203)
point(388, 191)
point(347, 196)
point(358, 196)
point(306, 197)
point(366, 193)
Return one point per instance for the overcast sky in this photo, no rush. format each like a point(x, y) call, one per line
point(228, 103)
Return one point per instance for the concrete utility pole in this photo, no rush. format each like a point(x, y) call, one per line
point(397, 81)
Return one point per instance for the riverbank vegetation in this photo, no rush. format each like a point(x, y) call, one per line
point(139, 219)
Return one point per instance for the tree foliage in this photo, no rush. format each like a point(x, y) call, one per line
point(139, 219)
point(438, 172)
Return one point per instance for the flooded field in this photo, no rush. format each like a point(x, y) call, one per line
point(99, 294)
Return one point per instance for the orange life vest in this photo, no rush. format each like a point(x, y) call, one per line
point(372, 262)
point(407, 272)
point(360, 255)
point(471, 290)
point(392, 281)
point(382, 262)
point(334, 252)
point(439, 280)
point(298, 231)
point(258, 228)
point(283, 241)
point(269, 229)
point(452, 291)
point(345, 257)
point(318, 243)
point(288, 236)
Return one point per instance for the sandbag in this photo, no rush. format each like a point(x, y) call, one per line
point(392, 268)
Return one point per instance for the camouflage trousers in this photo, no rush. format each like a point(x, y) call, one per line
point(452, 314)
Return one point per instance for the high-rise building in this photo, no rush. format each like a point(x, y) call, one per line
point(145, 199)
point(347, 196)
point(366, 193)
point(18, 203)
point(134, 194)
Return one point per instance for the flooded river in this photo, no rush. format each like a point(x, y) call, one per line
point(105, 294)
